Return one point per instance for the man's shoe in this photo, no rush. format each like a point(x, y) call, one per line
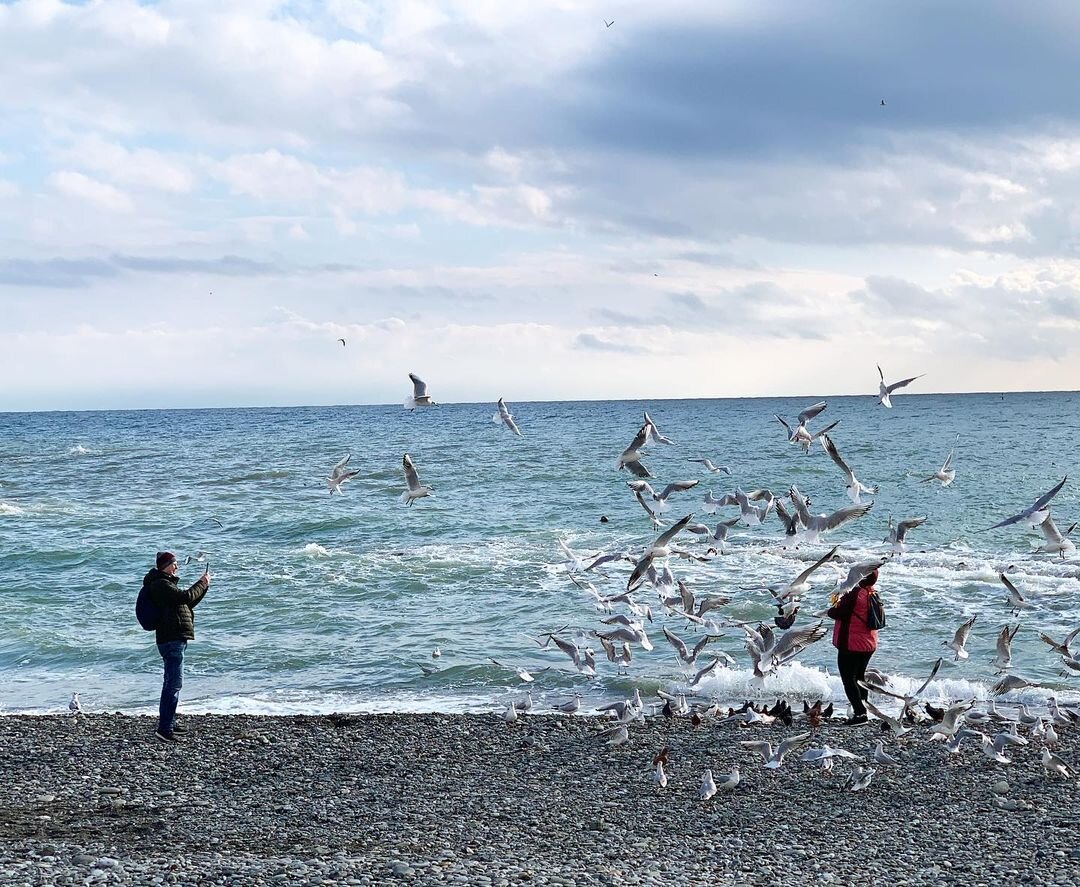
point(179, 730)
point(167, 737)
point(856, 719)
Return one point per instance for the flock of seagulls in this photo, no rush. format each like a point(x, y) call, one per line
point(626, 616)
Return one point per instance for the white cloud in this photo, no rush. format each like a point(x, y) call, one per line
point(141, 167)
point(82, 187)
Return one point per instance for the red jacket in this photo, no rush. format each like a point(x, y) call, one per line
point(851, 633)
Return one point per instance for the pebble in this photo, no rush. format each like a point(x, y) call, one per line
point(302, 801)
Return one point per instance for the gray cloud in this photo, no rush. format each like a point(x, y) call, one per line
point(590, 342)
point(63, 273)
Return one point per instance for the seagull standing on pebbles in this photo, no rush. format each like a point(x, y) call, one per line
point(74, 706)
point(1052, 764)
point(860, 777)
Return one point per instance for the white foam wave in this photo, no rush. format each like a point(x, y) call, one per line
point(314, 549)
point(5, 508)
point(80, 450)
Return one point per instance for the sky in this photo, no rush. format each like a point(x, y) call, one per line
point(703, 199)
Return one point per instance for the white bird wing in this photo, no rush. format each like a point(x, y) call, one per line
point(962, 633)
point(841, 517)
point(795, 640)
point(1050, 531)
point(419, 386)
point(792, 743)
point(671, 532)
point(834, 454)
point(902, 383)
point(785, 424)
point(638, 469)
point(930, 677)
point(336, 470)
point(678, 486)
point(905, 525)
point(1013, 590)
point(805, 574)
point(1039, 504)
point(811, 411)
point(678, 643)
point(411, 477)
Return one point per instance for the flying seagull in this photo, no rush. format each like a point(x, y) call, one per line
point(1056, 541)
point(419, 397)
point(654, 433)
point(504, 417)
point(946, 473)
point(814, 525)
point(800, 435)
point(898, 533)
point(416, 489)
point(854, 487)
point(609, 24)
point(884, 391)
point(1034, 511)
point(960, 639)
point(338, 475)
point(708, 465)
point(342, 341)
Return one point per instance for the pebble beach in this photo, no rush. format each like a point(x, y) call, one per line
point(469, 799)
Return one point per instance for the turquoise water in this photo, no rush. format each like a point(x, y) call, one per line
point(326, 602)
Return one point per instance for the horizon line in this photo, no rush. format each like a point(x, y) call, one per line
point(296, 406)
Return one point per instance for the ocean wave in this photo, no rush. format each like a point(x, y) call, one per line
point(314, 549)
point(80, 450)
point(6, 508)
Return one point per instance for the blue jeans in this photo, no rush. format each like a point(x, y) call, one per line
point(173, 655)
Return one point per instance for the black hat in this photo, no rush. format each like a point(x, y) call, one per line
point(164, 558)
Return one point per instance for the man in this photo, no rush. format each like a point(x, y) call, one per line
point(175, 628)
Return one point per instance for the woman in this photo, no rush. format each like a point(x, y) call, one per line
point(855, 643)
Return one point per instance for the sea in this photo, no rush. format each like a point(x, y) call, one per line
point(323, 603)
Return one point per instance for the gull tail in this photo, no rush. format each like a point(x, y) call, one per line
point(410, 403)
point(404, 498)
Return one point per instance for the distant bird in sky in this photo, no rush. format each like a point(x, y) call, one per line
point(420, 396)
point(342, 341)
point(609, 24)
point(884, 391)
point(883, 103)
point(416, 489)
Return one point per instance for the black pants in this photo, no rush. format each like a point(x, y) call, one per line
point(852, 668)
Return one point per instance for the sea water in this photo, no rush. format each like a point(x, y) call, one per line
point(323, 602)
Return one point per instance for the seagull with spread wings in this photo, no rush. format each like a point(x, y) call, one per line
point(816, 525)
point(1037, 512)
point(1057, 542)
point(503, 417)
point(898, 533)
point(800, 434)
point(420, 396)
point(854, 486)
point(946, 474)
point(338, 475)
point(416, 489)
point(885, 391)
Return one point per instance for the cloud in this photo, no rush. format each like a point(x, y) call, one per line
point(100, 194)
point(73, 273)
point(592, 342)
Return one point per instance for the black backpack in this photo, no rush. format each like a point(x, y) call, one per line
point(875, 611)
point(146, 611)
